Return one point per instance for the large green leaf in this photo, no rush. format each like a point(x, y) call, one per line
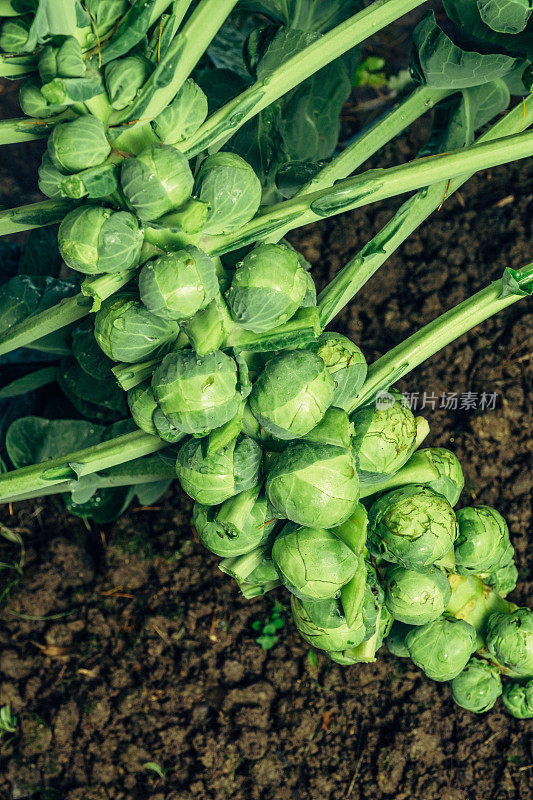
point(472, 30)
point(306, 15)
point(41, 253)
point(505, 16)
point(28, 383)
point(438, 62)
point(24, 295)
point(31, 440)
point(102, 401)
point(88, 354)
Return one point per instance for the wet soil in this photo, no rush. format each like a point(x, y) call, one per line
point(131, 662)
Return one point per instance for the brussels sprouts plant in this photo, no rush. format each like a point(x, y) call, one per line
point(185, 306)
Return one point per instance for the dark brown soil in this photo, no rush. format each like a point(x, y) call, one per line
point(147, 655)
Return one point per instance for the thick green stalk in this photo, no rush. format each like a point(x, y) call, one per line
point(370, 141)
point(64, 313)
point(441, 331)
point(408, 218)
point(182, 56)
point(26, 129)
point(223, 123)
point(371, 186)
point(418, 469)
point(34, 215)
point(79, 463)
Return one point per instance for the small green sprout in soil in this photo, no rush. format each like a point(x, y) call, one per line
point(268, 629)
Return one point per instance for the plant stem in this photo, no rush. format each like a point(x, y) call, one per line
point(224, 122)
point(34, 215)
point(17, 66)
point(369, 142)
point(26, 129)
point(371, 186)
point(64, 313)
point(77, 464)
point(182, 56)
point(440, 332)
point(408, 218)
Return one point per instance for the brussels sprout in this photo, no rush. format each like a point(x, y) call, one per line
point(509, 639)
point(123, 79)
point(268, 287)
point(345, 363)
point(183, 116)
point(126, 331)
point(313, 563)
point(78, 144)
point(197, 393)
point(477, 687)
point(518, 699)
point(503, 580)
point(50, 178)
point(314, 484)
point(292, 394)
point(451, 479)
point(384, 437)
point(179, 284)
point(395, 641)
point(65, 61)
point(241, 524)
point(14, 34)
point(483, 543)
point(211, 479)
point(156, 181)
point(231, 189)
point(33, 102)
point(412, 526)
point(165, 429)
point(323, 624)
point(142, 405)
point(254, 572)
point(416, 596)
point(97, 240)
point(442, 648)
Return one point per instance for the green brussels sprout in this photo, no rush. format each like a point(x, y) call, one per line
point(231, 190)
point(142, 405)
point(197, 393)
point(126, 331)
point(78, 144)
point(385, 435)
point(157, 181)
point(241, 524)
point(518, 699)
point(412, 526)
point(509, 639)
point(183, 116)
point(314, 484)
point(292, 394)
point(50, 178)
point(268, 287)
point(442, 648)
point(65, 61)
point(212, 479)
point(123, 79)
point(98, 240)
point(179, 284)
point(34, 103)
point(451, 479)
point(503, 580)
point(323, 624)
point(313, 563)
point(14, 34)
point(477, 687)
point(416, 596)
point(345, 363)
point(165, 429)
point(483, 543)
point(395, 640)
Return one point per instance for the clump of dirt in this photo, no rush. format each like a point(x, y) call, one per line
point(131, 662)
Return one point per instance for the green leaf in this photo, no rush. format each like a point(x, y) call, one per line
point(31, 440)
point(505, 16)
point(25, 295)
point(41, 254)
point(438, 62)
point(28, 383)
point(257, 625)
point(51, 18)
point(102, 401)
point(472, 32)
point(150, 493)
point(307, 15)
point(267, 642)
point(88, 354)
point(106, 505)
